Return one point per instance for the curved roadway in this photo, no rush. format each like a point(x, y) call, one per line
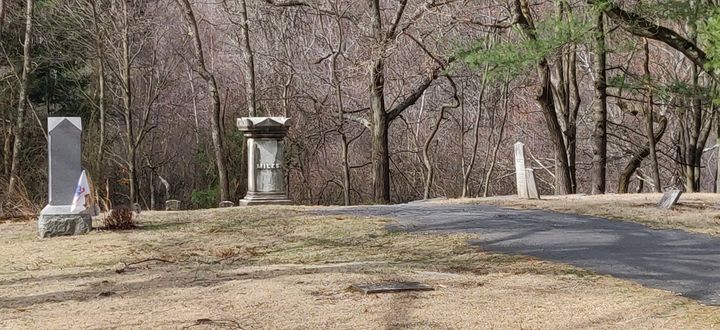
point(674, 260)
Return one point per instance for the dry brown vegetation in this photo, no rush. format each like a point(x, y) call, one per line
point(284, 268)
point(696, 212)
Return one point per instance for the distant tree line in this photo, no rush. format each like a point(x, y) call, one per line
point(391, 100)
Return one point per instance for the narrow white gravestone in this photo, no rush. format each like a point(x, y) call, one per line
point(64, 169)
point(520, 173)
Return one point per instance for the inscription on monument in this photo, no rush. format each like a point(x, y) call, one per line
point(270, 178)
point(267, 166)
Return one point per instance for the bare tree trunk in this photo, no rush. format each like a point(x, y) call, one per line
point(476, 136)
point(697, 126)
point(7, 149)
point(345, 144)
point(346, 170)
point(195, 108)
point(636, 160)
point(716, 186)
point(566, 95)
point(101, 92)
point(341, 119)
point(649, 129)
point(2, 16)
point(217, 136)
point(488, 175)
point(197, 123)
point(249, 62)
point(380, 148)
point(600, 110)
point(429, 170)
point(22, 98)
point(692, 136)
point(344, 140)
point(574, 108)
point(563, 180)
point(127, 106)
point(717, 142)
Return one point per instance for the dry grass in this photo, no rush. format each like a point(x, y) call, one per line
point(698, 212)
point(281, 268)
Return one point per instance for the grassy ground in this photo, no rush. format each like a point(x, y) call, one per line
point(284, 268)
point(698, 212)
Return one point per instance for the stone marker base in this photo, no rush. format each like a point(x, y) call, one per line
point(58, 221)
point(265, 199)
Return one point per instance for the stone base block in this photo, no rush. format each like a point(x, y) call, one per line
point(56, 221)
point(265, 199)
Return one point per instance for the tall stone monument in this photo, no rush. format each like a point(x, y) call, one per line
point(520, 173)
point(265, 147)
point(524, 176)
point(64, 169)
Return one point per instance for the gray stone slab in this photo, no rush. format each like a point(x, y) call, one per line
point(673, 260)
point(64, 151)
point(172, 205)
point(389, 287)
point(531, 186)
point(520, 179)
point(669, 199)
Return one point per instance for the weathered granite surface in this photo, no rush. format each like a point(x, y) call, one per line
point(59, 221)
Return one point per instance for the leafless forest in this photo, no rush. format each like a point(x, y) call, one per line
point(391, 100)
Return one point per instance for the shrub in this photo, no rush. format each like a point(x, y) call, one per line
point(205, 199)
point(120, 218)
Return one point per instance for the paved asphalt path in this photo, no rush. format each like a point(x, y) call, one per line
point(673, 260)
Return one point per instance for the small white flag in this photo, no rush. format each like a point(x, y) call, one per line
point(82, 190)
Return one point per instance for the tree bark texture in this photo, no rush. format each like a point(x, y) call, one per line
point(600, 110)
point(22, 99)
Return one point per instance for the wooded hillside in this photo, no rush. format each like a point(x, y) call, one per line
point(391, 100)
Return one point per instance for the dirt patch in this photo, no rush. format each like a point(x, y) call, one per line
point(281, 268)
point(697, 212)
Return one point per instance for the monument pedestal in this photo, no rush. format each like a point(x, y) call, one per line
point(266, 168)
point(58, 221)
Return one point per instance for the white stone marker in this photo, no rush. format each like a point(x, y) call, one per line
point(265, 147)
point(520, 173)
point(64, 169)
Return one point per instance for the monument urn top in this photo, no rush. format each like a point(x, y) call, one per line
point(263, 126)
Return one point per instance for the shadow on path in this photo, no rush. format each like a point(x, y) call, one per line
point(673, 260)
